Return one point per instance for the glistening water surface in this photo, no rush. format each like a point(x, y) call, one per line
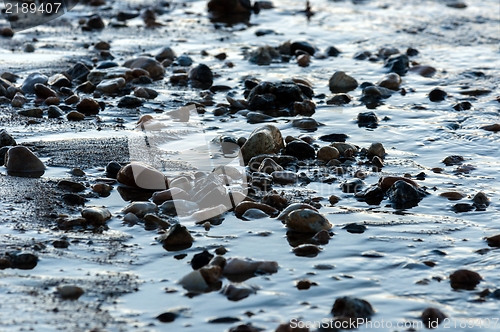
point(128, 277)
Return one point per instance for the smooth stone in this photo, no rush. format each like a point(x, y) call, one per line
point(54, 112)
point(112, 169)
point(263, 55)
point(88, 106)
point(194, 282)
point(339, 99)
point(376, 150)
point(184, 60)
point(130, 102)
point(263, 140)
point(292, 207)
point(332, 51)
point(22, 261)
point(352, 186)
point(481, 201)
point(306, 250)
point(494, 241)
point(465, 279)
point(403, 194)
point(236, 265)
point(269, 166)
point(6, 139)
point(254, 214)
point(327, 153)
point(391, 81)
point(28, 85)
point(70, 292)
point(437, 95)
point(452, 195)
point(463, 207)
point(71, 186)
point(140, 175)
point(303, 46)
point(20, 161)
point(73, 199)
point(493, 127)
point(367, 119)
point(146, 93)
point(165, 53)
point(242, 207)
point(340, 82)
point(453, 160)
point(284, 177)
point(386, 182)
point(306, 123)
point(33, 113)
point(300, 149)
point(352, 308)
point(102, 189)
point(176, 237)
point(201, 259)
point(140, 208)
point(422, 70)
point(19, 100)
point(307, 221)
point(96, 215)
point(237, 292)
point(75, 116)
point(167, 195)
point(432, 317)
point(201, 77)
point(355, 228)
point(398, 63)
point(153, 67)
point(256, 117)
point(43, 91)
point(96, 76)
point(111, 86)
point(342, 147)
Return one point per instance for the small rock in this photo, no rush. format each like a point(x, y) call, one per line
point(465, 279)
point(235, 266)
point(307, 221)
point(340, 82)
point(237, 292)
point(367, 119)
point(481, 201)
point(494, 241)
point(43, 91)
point(391, 81)
point(453, 160)
point(263, 140)
point(6, 139)
point(28, 86)
point(184, 60)
point(61, 244)
point(111, 86)
point(263, 55)
point(404, 195)
point(332, 51)
point(166, 317)
point(75, 116)
point(376, 149)
point(22, 261)
point(112, 169)
point(355, 228)
point(20, 161)
point(94, 22)
point(140, 175)
point(463, 207)
point(71, 186)
point(306, 250)
point(452, 195)
point(201, 77)
point(397, 63)
point(432, 317)
point(103, 189)
point(153, 67)
point(70, 292)
point(88, 106)
point(19, 100)
point(166, 53)
point(130, 102)
point(96, 215)
point(32, 112)
point(327, 153)
point(308, 124)
point(54, 112)
point(284, 177)
point(437, 95)
point(352, 186)
point(269, 166)
point(242, 207)
point(300, 149)
point(305, 284)
point(339, 99)
point(140, 208)
point(176, 238)
point(167, 195)
point(201, 259)
point(304, 60)
point(494, 127)
point(349, 308)
point(425, 71)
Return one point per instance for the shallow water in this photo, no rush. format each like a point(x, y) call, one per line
point(125, 272)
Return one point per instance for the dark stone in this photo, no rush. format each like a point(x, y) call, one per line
point(453, 160)
point(333, 51)
point(367, 119)
point(22, 261)
point(355, 228)
point(130, 102)
point(166, 317)
point(339, 99)
point(61, 244)
point(303, 46)
point(398, 63)
point(201, 77)
point(463, 207)
point(465, 279)
point(124, 16)
point(176, 238)
point(73, 199)
point(362, 55)
point(70, 186)
point(201, 259)
point(437, 95)
point(3, 152)
point(300, 150)
point(352, 308)
point(269, 96)
point(94, 22)
point(462, 106)
point(112, 169)
point(411, 51)
point(107, 64)
point(6, 139)
point(79, 73)
point(352, 186)
point(334, 138)
point(404, 195)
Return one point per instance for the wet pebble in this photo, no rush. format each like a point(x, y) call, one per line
point(19, 100)
point(73, 199)
point(96, 215)
point(94, 22)
point(165, 53)
point(70, 292)
point(252, 117)
point(6, 139)
point(307, 221)
point(462, 207)
point(28, 85)
point(367, 119)
point(238, 292)
point(201, 259)
point(201, 77)
point(391, 81)
point(236, 265)
point(465, 279)
point(308, 124)
point(263, 140)
point(140, 208)
point(152, 66)
point(437, 95)
point(376, 150)
point(184, 60)
point(140, 175)
point(306, 250)
point(71, 186)
point(327, 153)
point(339, 99)
point(166, 195)
point(481, 201)
point(284, 177)
point(432, 317)
point(20, 161)
point(254, 214)
point(21, 260)
point(355, 228)
point(397, 63)
point(75, 116)
point(305, 284)
point(54, 112)
point(43, 91)
point(404, 195)
point(422, 70)
point(340, 82)
point(494, 241)
point(452, 195)
point(176, 238)
point(32, 112)
point(493, 127)
point(88, 106)
point(352, 308)
point(110, 86)
point(352, 186)
point(242, 207)
point(453, 160)
point(300, 149)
